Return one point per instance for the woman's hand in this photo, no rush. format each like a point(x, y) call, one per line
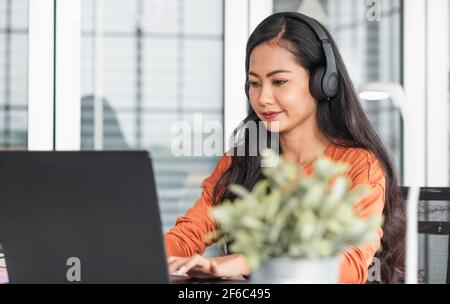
point(206, 267)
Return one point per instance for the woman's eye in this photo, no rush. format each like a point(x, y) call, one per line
point(253, 84)
point(279, 82)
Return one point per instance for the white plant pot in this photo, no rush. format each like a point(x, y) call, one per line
point(285, 270)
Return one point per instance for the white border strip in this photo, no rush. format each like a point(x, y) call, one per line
point(414, 71)
point(235, 39)
point(40, 75)
point(241, 17)
point(98, 80)
point(437, 93)
point(68, 105)
point(259, 10)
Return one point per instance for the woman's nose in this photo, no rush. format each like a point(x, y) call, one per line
point(266, 97)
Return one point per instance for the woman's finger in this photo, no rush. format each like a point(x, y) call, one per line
point(230, 267)
point(196, 260)
point(175, 264)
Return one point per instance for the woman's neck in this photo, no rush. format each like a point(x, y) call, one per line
point(303, 145)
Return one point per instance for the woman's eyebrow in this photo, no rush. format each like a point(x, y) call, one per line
point(270, 73)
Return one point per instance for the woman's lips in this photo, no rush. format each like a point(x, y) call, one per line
point(270, 114)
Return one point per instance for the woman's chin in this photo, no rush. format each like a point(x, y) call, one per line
point(273, 126)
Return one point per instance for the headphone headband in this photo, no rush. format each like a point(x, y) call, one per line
point(312, 23)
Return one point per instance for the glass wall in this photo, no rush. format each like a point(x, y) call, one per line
point(13, 73)
point(145, 65)
point(369, 39)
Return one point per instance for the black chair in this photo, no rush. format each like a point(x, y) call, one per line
point(434, 233)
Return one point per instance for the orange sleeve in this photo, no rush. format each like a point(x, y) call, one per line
point(187, 237)
point(355, 261)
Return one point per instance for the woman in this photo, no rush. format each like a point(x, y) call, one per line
point(286, 59)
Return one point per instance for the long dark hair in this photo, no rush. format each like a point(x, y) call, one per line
point(341, 119)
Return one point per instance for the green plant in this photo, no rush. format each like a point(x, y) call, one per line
point(293, 215)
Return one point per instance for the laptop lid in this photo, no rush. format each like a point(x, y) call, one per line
point(88, 217)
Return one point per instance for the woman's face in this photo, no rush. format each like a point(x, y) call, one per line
point(279, 89)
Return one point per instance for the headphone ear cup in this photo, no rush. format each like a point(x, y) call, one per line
point(315, 83)
point(330, 84)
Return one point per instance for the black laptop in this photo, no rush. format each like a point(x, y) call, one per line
point(80, 217)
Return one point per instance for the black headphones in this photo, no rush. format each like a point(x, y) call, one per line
point(324, 80)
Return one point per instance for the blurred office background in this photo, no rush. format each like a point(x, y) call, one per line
point(144, 64)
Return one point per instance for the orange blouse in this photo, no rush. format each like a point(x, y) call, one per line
point(186, 238)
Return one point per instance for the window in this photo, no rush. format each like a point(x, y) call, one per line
point(13, 73)
point(145, 65)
